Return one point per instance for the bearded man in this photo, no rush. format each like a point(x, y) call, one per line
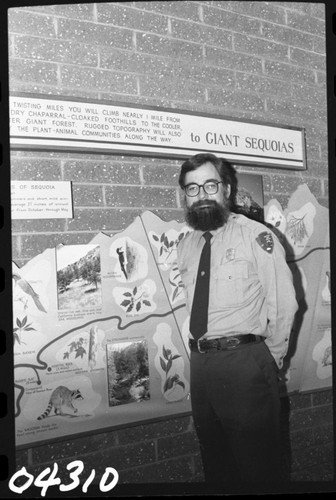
point(240, 296)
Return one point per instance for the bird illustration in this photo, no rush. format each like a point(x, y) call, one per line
point(121, 260)
point(28, 289)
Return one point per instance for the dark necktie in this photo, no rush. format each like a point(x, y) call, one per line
point(199, 310)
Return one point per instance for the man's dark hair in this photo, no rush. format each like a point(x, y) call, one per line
point(225, 169)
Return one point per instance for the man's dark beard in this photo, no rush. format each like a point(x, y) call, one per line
point(207, 215)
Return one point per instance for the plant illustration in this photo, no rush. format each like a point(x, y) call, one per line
point(176, 282)
point(167, 247)
point(297, 229)
point(166, 364)
point(21, 326)
point(327, 357)
point(76, 348)
point(135, 299)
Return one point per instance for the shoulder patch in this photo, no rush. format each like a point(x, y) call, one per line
point(265, 240)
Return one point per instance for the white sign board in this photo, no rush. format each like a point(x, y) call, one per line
point(41, 200)
point(46, 122)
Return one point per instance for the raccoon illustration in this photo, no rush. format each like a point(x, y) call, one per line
point(61, 396)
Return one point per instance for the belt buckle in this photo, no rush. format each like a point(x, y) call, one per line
point(232, 341)
point(198, 347)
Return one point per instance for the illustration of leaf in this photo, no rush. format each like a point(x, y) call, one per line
point(161, 251)
point(138, 306)
point(165, 353)
point(171, 244)
point(166, 241)
point(66, 355)
point(155, 237)
point(135, 289)
point(15, 329)
point(162, 237)
point(163, 364)
point(175, 293)
point(80, 352)
point(125, 303)
point(179, 382)
point(130, 307)
point(180, 236)
point(18, 322)
point(147, 303)
point(73, 346)
point(176, 356)
point(16, 338)
point(169, 364)
point(168, 384)
point(29, 329)
point(127, 294)
point(24, 321)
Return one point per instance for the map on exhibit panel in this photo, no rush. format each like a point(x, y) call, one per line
point(100, 330)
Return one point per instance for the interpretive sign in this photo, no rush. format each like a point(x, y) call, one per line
point(41, 200)
point(54, 123)
point(303, 228)
point(100, 330)
point(100, 333)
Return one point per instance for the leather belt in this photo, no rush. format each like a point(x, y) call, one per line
point(222, 343)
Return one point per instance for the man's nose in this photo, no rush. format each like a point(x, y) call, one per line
point(202, 195)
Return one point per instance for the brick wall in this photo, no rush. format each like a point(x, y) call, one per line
point(311, 436)
point(167, 451)
point(250, 60)
point(254, 60)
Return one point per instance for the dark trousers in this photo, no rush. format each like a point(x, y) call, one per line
point(236, 411)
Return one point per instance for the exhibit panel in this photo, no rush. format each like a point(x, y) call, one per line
point(100, 330)
point(303, 229)
point(97, 339)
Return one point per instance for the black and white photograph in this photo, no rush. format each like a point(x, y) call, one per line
point(128, 372)
point(78, 276)
point(167, 314)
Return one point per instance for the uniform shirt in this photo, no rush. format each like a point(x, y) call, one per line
point(251, 286)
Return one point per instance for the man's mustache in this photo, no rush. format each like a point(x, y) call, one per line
point(204, 203)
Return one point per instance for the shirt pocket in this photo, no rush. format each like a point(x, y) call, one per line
point(230, 283)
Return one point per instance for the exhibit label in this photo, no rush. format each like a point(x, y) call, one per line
point(51, 123)
point(41, 200)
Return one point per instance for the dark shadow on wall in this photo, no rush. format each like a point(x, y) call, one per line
point(297, 324)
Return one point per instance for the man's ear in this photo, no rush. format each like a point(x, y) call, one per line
point(228, 190)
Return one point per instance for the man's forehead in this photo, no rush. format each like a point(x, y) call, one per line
point(203, 173)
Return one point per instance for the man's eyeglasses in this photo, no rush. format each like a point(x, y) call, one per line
point(209, 187)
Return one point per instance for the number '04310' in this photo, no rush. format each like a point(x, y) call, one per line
point(52, 480)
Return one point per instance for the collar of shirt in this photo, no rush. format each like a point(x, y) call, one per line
point(214, 232)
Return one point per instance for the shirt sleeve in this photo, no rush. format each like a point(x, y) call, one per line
point(277, 282)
